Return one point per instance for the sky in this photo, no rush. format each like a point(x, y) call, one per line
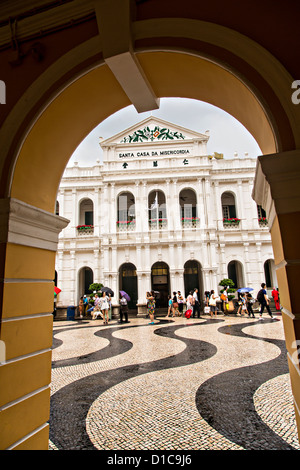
point(227, 135)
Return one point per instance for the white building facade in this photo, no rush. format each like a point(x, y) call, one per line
point(160, 214)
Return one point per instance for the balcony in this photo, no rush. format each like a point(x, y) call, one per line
point(125, 225)
point(158, 224)
point(263, 222)
point(190, 222)
point(85, 230)
point(231, 223)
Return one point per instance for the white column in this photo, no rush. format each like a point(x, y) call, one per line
point(112, 210)
point(138, 208)
point(240, 204)
point(96, 212)
point(96, 266)
point(218, 205)
point(176, 207)
point(201, 209)
point(73, 278)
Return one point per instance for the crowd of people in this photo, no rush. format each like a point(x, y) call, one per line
point(212, 301)
point(180, 306)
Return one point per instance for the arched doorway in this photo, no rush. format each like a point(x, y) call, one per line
point(75, 85)
point(85, 279)
point(236, 274)
point(160, 283)
point(128, 283)
point(193, 278)
point(270, 273)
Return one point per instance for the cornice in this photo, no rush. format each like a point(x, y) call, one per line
point(23, 224)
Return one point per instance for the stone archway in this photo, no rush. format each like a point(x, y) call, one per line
point(53, 114)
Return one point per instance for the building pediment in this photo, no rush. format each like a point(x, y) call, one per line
point(153, 130)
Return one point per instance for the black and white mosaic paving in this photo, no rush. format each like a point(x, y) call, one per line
point(197, 384)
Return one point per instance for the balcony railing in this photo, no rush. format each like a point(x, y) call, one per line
point(125, 225)
point(158, 224)
point(83, 230)
point(190, 222)
point(263, 222)
point(231, 223)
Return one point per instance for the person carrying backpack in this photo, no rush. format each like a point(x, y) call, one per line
point(264, 301)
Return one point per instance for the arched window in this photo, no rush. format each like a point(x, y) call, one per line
point(157, 212)
point(86, 217)
point(188, 208)
point(262, 216)
point(126, 212)
point(229, 209)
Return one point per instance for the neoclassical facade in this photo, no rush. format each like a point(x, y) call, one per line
point(160, 214)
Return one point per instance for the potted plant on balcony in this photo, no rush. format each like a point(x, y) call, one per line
point(85, 228)
point(231, 221)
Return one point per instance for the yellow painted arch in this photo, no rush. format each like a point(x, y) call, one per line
point(96, 95)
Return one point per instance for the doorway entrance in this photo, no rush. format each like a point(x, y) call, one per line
point(160, 283)
point(128, 283)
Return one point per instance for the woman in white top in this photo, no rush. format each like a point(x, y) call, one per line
point(104, 305)
point(213, 303)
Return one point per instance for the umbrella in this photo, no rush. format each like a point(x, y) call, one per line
point(56, 290)
point(245, 289)
point(107, 290)
point(124, 294)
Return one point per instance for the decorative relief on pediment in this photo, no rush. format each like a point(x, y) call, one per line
point(149, 135)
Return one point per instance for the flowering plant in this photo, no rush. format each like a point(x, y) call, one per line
point(232, 220)
point(125, 222)
point(190, 218)
point(84, 227)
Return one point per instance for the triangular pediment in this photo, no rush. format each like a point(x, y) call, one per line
point(153, 129)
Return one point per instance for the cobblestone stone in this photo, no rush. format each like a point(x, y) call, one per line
point(199, 384)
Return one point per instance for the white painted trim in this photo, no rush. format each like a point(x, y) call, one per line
point(23, 398)
point(15, 444)
point(23, 224)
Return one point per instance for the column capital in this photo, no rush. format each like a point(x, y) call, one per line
point(27, 225)
point(276, 185)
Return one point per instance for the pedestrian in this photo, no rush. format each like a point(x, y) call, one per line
point(80, 307)
point(206, 297)
point(250, 302)
point(263, 299)
point(243, 306)
point(95, 312)
point(170, 306)
point(213, 303)
point(150, 306)
point(85, 304)
point(180, 303)
point(224, 301)
point(196, 304)
point(104, 306)
point(175, 305)
point(123, 309)
point(190, 301)
point(275, 295)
